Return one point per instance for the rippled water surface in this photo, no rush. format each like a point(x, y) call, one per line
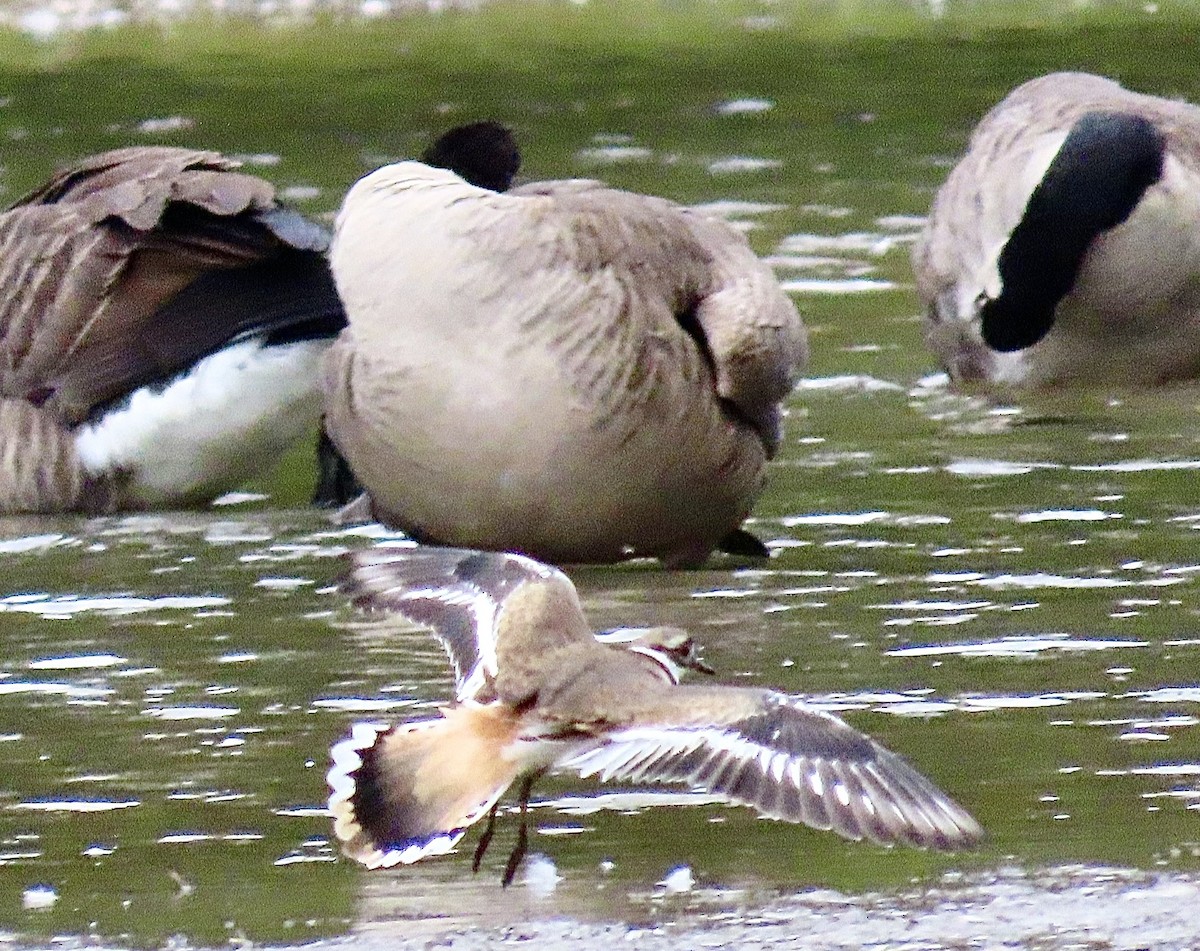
point(1002, 587)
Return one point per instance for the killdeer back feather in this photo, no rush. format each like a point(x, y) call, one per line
point(574, 703)
point(461, 599)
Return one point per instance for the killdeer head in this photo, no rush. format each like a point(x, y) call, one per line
point(672, 648)
point(536, 690)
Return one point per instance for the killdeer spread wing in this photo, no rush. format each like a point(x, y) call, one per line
point(785, 758)
point(470, 599)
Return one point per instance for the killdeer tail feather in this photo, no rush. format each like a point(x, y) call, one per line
point(407, 792)
point(791, 762)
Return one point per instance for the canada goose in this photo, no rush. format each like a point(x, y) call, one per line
point(160, 332)
point(535, 690)
point(1065, 245)
point(565, 370)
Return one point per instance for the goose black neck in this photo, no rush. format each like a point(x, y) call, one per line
point(1099, 175)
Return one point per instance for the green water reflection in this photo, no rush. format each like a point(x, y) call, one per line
point(197, 727)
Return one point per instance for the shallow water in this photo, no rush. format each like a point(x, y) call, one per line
point(1003, 588)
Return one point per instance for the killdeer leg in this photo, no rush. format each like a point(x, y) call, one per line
point(485, 838)
point(518, 852)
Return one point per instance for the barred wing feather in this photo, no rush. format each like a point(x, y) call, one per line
point(791, 762)
point(456, 592)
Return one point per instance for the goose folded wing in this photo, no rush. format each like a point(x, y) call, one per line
point(699, 272)
point(128, 267)
point(784, 758)
point(40, 470)
point(755, 337)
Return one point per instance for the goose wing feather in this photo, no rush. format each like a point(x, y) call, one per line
point(89, 259)
point(754, 333)
point(708, 281)
point(41, 468)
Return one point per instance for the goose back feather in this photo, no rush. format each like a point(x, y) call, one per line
point(564, 369)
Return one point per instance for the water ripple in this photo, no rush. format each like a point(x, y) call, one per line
point(78, 662)
point(74, 805)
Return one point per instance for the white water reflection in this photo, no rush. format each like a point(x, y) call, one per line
point(1166, 695)
point(628, 802)
point(63, 606)
point(78, 662)
point(995, 467)
point(1140, 465)
point(740, 107)
point(1034, 701)
point(834, 518)
point(38, 897)
point(614, 154)
point(1042, 580)
point(29, 543)
point(191, 713)
point(1067, 515)
point(188, 838)
point(735, 208)
point(1015, 647)
point(73, 691)
point(540, 875)
point(74, 805)
point(859, 285)
point(846, 383)
point(874, 244)
point(740, 164)
point(361, 704)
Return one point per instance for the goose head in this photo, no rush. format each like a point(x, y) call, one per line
point(482, 153)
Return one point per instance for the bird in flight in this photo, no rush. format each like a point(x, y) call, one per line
point(537, 690)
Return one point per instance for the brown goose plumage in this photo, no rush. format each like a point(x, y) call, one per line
point(536, 690)
point(123, 272)
point(565, 369)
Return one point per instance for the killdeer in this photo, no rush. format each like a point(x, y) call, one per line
point(535, 691)
point(1065, 245)
point(564, 369)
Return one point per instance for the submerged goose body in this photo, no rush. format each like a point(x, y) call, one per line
point(564, 369)
point(1065, 245)
point(161, 332)
point(536, 691)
